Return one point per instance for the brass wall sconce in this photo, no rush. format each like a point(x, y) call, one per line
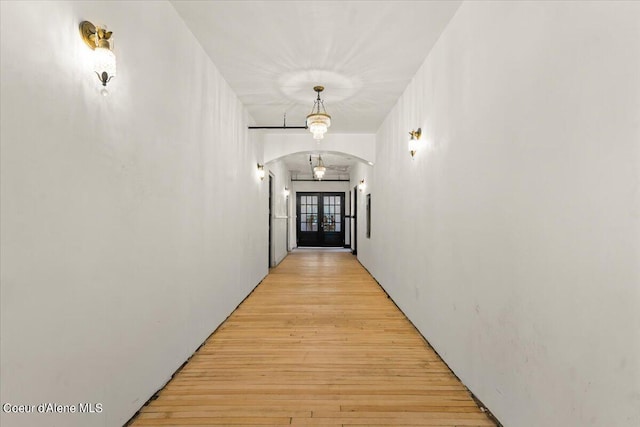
point(414, 137)
point(260, 171)
point(104, 61)
point(362, 186)
point(286, 192)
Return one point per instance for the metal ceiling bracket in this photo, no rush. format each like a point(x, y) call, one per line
point(284, 125)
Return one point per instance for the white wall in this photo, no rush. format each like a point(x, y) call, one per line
point(124, 241)
point(277, 145)
point(359, 172)
point(513, 242)
point(322, 186)
point(280, 216)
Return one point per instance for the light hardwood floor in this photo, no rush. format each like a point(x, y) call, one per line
point(318, 343)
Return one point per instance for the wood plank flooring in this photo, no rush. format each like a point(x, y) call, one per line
point(318, 343)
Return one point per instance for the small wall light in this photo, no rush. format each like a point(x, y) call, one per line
point(260, 171)
point(413, 141)
point(286, 192)
point(362, 186)
point(104, 61)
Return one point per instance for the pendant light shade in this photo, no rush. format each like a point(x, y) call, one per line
point(319, 170)
point(318, 121)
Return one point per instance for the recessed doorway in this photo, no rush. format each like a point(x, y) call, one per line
point(320, 219)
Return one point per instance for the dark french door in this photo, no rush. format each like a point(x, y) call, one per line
point(320, 219)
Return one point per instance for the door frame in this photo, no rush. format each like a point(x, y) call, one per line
point(271, 209)
point(287, 203)
point(321, 241)
point(354, 217)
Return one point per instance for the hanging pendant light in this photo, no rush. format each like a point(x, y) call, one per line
point(319, 170)
point(318, 122)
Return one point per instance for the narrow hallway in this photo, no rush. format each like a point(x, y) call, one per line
point(317, 343)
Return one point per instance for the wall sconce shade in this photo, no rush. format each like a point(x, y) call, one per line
point(362, 186)
point(286, 192)
point(260, 171)
point(414, 137)
point(104, 60)
point(104, 65)
point(318, 122)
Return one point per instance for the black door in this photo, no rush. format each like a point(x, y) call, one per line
point(320, 219)
point(354, 216)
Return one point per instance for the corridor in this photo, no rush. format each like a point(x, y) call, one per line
point(317, 343)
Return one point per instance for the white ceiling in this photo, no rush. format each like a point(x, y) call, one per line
point(272, 54)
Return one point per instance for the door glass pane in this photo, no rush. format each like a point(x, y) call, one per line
point(303, 208)
point(303, 226)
